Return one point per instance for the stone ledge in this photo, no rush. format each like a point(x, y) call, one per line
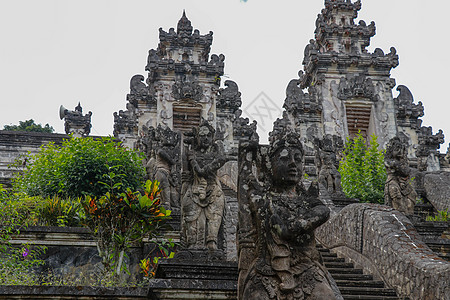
point(72, 292)
point(67, 236)
point(193, 284)
point(198, 289)
point(202, 270)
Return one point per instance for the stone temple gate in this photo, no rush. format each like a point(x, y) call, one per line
point(190, 129)
point(180, 93)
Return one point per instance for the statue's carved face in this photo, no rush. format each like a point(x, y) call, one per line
point(398, 150)
point(169, 138)
point(287, 166)
point(205, 137)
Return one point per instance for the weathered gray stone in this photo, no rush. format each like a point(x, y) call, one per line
point(398, 190)
point(437, 189)
point(14, 144)
point(72, 253)
point(386, 243)
point(203, 201)
point(76, 123)
point(73, 292)
point(278, 258)
point(162, 149)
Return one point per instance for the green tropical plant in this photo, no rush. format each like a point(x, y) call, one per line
point(148, 265)
point(76, 168)
point(362, 169)
point(441, 216)
point(29, 125)
point(119, 219)
point(57, 211)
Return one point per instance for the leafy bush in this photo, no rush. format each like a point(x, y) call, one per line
point(442, 216)
point(362, 169)
point(29, 125)
point(77, 167)
point(118, 220)
point(17, 212)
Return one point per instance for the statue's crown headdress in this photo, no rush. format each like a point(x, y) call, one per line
point(283, 136)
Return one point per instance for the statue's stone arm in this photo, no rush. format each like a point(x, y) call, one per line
point(166, 156)
point(312, 219)
point(210, 169)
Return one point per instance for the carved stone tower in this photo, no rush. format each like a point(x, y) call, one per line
point(181, 89)
point(353, 85)
point(350, 89)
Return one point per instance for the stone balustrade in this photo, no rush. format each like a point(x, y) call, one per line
point(382, 240)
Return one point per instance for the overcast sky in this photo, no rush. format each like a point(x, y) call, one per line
point(61, 52)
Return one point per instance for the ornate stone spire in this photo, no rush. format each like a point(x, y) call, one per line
point(336, 29)
point(408, 113)
point(339, 41)
point(184, 25)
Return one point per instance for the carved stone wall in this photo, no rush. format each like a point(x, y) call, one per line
point(14, 144)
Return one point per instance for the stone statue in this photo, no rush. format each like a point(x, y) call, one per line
point(167, 152)
point(326, 162)
point(203, 200)
point(278, 258)
point(398, 190)
point(76, 123)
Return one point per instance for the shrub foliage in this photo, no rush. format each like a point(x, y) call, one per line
point(362, 170)
point(77, 167)
point(29, 125)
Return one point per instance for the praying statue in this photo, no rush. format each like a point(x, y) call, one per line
point(203, 201)
point(278, 258)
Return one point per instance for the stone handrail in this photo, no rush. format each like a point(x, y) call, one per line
point(386, 240)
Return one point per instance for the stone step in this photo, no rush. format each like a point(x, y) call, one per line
point(361, 283)
point(369, 297)
point(423, 210)
point(335, 265)
point(430, 228)
point(367, 291)
point(352, 283)
point(440, 246)
point(333, 259)
point(345, 271)
point(352, 277)
point(328, 255)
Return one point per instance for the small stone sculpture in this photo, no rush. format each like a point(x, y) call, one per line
point(278, 258)
point(76, 123)
point(326, 162)
point(398, 190)
point(203, 200)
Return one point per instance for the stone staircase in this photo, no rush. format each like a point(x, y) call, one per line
point(352, 283)
point(435, 234)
